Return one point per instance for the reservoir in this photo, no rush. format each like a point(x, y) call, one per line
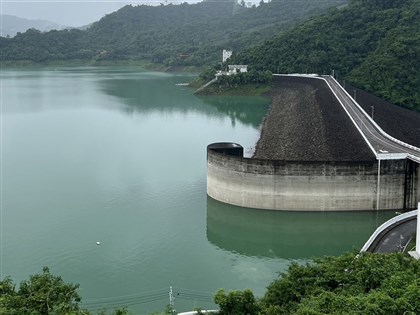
point(104, 181)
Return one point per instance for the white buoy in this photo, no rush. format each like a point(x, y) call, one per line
point(98, 243)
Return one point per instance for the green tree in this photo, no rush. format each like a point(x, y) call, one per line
point(174, 35)
point(374, 45)
point(236, 302)
point(349, 284)
point(42, 294)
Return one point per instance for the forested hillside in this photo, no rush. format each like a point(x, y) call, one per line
point(374, 44)
point(185, 34)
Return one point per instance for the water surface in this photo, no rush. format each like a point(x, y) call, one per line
point(118, 155)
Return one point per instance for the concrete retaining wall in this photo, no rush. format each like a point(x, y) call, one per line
point(305, 186)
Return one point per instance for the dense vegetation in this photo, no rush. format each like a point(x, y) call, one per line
point(349, 284)
point(375, 45)
point(185, 34)
point(42, 294)
point(246, 83)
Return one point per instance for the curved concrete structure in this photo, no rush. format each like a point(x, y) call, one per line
point(392, 181)
point(306, 186)
point(394, 235)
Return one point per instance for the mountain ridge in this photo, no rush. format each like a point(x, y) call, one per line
point(375, 45)
point(11, 25)
point(162, 34)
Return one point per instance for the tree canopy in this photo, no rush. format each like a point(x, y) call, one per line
point(184, 34)
point(375, 45)
point(42, 294)
point(349, 284)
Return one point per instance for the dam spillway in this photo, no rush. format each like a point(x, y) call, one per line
point(305, 185)
point(310, 158)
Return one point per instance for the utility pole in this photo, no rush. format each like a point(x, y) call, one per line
point(373, 108)
point(378, 185)
point(354, 97)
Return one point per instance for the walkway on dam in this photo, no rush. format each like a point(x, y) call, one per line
point(394, 235)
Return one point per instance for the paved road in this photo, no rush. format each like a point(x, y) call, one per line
point(379, 143)
point(395, 238)
point(393, 235)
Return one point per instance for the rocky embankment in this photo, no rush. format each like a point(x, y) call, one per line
point(306, 123)
point(399, 122)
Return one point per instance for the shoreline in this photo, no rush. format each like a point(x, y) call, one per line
point(100, 63)
point(247, 90)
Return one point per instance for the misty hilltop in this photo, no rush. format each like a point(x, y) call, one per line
point(11, 25)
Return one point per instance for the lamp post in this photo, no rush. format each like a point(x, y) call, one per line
point(354, 93)
point(373, 108)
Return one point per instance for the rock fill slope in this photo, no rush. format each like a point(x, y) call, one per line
point(307, 123)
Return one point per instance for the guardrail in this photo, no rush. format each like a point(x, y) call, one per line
point(306, 75)
point(386, 225)
point(351, 118)
point(413, 158)
point(381, 131)
point(376, 125)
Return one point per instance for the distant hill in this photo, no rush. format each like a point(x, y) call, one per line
point(197, 32)
point(375, 45)
point(11, 25)
point(185, 34)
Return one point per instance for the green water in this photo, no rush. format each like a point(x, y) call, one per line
point(118, 155)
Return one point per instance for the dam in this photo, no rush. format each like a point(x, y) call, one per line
point(329, 156)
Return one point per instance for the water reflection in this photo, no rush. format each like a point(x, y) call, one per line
point(249, 110)
point(129, 90)
point(162, 92)
point(280, 234)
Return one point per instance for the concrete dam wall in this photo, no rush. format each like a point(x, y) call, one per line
point(308, 185)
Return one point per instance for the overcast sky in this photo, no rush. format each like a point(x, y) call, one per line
point(68, 12)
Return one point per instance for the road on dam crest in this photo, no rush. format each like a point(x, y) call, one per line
point(376, 138)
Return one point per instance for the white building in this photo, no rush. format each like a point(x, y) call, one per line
point(226, 55)
point(234, 69)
